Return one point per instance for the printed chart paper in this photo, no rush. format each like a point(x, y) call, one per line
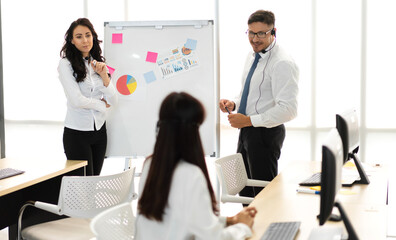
point(176, 61)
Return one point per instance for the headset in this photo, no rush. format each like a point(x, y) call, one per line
point(273, 33)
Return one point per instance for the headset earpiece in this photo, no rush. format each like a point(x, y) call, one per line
point(273, 32)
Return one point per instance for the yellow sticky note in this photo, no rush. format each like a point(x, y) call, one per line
point(347, 192)
point(349, 164)
point(316, 188)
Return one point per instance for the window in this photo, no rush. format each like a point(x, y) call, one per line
point(344, 50)
point(32, 39)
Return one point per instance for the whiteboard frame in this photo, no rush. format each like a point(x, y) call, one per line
point(158, 24)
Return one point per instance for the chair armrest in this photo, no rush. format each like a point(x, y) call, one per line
point(236, 199)
point(19, 226)
point(256, 183)
point(52, 208)
point(41, 205)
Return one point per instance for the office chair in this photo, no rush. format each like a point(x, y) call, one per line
point(81, 198)
point(233, 178)
point(117, 222)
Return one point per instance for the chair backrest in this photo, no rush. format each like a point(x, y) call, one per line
point(233, 173)
point(117, 222)
point(86, 196)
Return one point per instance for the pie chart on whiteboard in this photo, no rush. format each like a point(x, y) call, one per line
point(126, 85)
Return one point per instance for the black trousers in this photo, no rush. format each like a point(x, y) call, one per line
point(261, 149)
point(86, 145)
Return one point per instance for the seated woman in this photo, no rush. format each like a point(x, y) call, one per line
point(177, 200)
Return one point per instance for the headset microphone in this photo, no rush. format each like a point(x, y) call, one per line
point(273, 33)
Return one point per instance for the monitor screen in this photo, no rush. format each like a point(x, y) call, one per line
point(348, 127)
point(332, 162)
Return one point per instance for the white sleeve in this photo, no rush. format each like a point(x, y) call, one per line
point(109, 94)
point(72, 90)
point(203, 223)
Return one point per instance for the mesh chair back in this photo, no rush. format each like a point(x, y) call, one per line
point(85, 197)
point(114, 223)
point(234, 173)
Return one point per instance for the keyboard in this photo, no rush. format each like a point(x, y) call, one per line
point(313, 180)
point(281, 231)
point(9, 172)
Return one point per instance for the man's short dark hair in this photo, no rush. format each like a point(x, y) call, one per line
point(263, 16)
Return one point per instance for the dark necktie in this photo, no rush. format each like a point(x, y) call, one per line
point(242, 106)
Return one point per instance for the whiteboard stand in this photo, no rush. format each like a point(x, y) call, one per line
point(128, 165)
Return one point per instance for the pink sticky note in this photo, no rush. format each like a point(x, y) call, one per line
point(111, 70)
point(151, 57)
point(116, 38)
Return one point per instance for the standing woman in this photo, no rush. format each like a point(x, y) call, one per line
point(177, 201)
point(89, 92)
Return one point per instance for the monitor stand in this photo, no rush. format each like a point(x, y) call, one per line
point(363, 176)
point(334, 232)
point(348, 225)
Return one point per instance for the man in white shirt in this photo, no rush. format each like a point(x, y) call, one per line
point(267, 100)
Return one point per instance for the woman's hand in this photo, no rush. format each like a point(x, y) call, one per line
point(245, 216)
point(107, 105)
point(101, 69)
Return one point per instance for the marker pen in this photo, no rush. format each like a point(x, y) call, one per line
point(308, 191)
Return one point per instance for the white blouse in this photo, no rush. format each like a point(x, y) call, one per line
point(189, 213)
point(84, 106)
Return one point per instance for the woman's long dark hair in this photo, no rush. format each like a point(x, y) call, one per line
point(74, 55)
point(178, 140)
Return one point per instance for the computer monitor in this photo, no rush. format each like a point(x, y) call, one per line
point(348, 127)
point(332, 162)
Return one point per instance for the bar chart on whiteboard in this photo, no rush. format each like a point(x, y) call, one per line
point(177, 60)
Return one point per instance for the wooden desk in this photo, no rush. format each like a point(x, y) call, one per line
point(41, 181)
point(35, 172)
point(279, 201)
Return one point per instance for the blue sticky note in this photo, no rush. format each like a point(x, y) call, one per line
point(150, 77)
point(191, 44)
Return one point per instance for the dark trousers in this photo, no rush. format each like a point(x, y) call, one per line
point(86, 145)
point(261, 149)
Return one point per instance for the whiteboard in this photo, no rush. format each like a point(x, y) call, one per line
point(152, 59)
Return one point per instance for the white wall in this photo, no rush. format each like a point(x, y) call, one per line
point(344, 50)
